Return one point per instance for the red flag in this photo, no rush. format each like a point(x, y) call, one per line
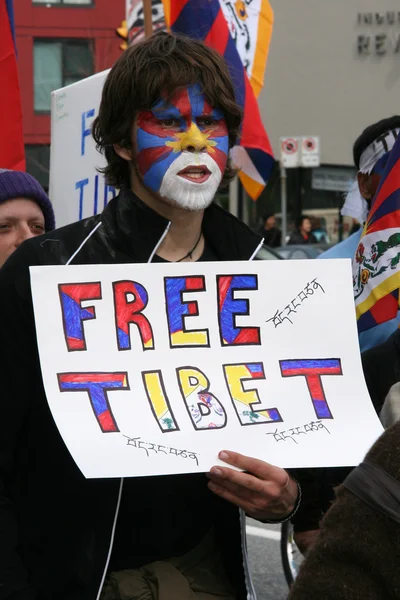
point(12, 154)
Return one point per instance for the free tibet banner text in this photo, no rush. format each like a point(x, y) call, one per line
point(154, 369)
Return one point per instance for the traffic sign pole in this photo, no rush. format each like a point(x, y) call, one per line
point(283, 205)
point(289, 159)
point(296, 152)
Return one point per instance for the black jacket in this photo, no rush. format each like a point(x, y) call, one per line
point(55, 525)
point(272, 237)
point(297, 238)
point(381, 366)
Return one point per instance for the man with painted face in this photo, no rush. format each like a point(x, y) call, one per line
point(167, 120)
point(371, 151)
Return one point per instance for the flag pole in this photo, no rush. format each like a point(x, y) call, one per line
point(148, 18)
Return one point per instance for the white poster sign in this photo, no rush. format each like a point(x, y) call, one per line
point(290, 152)
point(76, 189)
point(154, 369)
point(310, 152)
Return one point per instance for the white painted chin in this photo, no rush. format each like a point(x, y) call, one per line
point(186, 194)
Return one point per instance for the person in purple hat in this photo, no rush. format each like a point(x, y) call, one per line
point(25, 211)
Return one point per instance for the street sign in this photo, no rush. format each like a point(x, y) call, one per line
point(290, 152)
point(333, 179)
point(310, 152)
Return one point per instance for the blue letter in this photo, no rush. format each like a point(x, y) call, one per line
point(85, 132)
point(96, 193)
point(230, 307)
point(79, 186)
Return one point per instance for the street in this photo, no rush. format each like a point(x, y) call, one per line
point(265, 561)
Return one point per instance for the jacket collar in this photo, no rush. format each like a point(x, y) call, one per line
point(136, 229)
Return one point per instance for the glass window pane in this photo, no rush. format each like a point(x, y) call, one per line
point(47, 72)
point(77, 61)
point(70, 80)
point(299, 254)
point(38, 163)
point(78, 1)
point(46, 1)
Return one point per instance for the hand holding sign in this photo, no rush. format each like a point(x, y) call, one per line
point(264, 492)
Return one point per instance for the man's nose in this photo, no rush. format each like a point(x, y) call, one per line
point(194, 140)
point(24, 233)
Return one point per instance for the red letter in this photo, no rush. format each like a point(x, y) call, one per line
point(312, 370)
point(96, 385)
point(129, 311)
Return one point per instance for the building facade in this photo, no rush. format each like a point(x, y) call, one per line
point(59, 42)
point(333, 69)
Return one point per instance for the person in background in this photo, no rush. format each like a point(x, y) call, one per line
point(25, 211)
point(303, 234)
point(381, 366)
point(270, 232)
point(356, 554)
point(370, 154)
point(371, 151)
point(319, 231)
point(380, 345)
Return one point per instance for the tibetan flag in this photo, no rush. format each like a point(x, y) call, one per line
point(12, 141)
point(376, 265)
point(241, 32)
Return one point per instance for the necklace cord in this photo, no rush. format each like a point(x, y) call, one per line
point(189, 254)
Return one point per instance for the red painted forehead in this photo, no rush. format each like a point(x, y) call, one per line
point(188, 103)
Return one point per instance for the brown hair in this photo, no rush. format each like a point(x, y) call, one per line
point(159, 65)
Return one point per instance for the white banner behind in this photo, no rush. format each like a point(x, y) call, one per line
point(76, 189)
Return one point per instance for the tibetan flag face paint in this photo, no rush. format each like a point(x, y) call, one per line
point(182, 148)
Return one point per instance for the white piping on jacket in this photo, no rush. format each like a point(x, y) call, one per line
point(121, 485)
point(251, 593)
point(83, 243)
point(160, 241)
point(256, 251)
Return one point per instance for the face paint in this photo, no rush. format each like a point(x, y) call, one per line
point(182, 148)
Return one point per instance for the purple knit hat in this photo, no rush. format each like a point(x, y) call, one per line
point(18, 184)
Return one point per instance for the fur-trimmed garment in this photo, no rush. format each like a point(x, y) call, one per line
point(356, 556)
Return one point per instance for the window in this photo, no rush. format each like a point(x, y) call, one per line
point(38, 163)
point(57, 64)
point(75, 2)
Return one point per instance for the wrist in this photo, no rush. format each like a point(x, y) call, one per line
point(295, 484)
